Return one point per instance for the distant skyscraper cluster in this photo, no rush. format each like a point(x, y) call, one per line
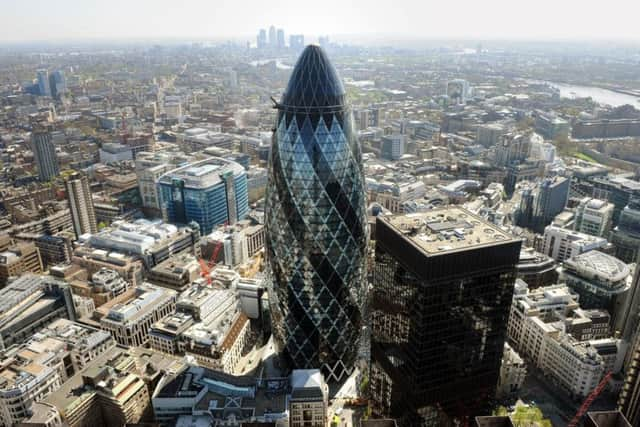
point(51, 84)
point(274, 39)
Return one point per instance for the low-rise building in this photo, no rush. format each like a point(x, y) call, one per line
point(32, 371)
point(129, 322)
point(18, 259)
point(207, 325)
point(601, 280)
point(512, 373)
point(308, 403)
point(112, 390)
point(196, 391)
point(150, 241)
point(561, 244)
point(536, 269)
point(593, 217)
point(29, 303)
point(105, 284)
point(238, 242)
point(176, 272)
point(543, 325)
point(576, 366)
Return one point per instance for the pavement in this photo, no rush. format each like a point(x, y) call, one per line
point(259, 359)
point(348, 390)
point(555, 403)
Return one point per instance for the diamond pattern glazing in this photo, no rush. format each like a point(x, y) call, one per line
point(316, 228)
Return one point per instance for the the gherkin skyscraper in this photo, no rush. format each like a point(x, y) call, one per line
point(316, 227)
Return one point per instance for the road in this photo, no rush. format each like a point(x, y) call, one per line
point(555, 403)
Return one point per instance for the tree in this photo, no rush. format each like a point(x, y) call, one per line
point(565, 145)
point(529, 416)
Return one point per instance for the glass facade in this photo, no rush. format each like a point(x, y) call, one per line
point(44, 153)
point(210, 193)
point(438, 327)
point(315, 219)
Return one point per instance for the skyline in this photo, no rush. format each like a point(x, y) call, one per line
point(74, 20)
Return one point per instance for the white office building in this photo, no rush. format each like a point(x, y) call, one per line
point(593, 217)
point(561, 244)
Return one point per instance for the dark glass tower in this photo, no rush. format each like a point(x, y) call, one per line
point(442, 289)
point(44, 153)
point(316, 228)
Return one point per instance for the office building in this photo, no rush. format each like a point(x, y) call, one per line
point(112, 390)
point(606, 419)
point(179, 396)
point(149, 241)
point(81, 205)
point(29, 303)
point(315, 220)
point(443, 284)
point(617, 189)
point(593, 216)
point(113, 152)
point(261, 39)
point(550, 126)
point(601, 280)
point(629, 398)
point(27, 374)
point(19, 259)
point(512, 148)
point(176, 272)
point(149, 168)
point(518, 172)
point(57, 84)
point(105, 285)
point(44, 153)
point(606, 128)
point(130, 268)
point(210, 192)
point(240, 242)
point(536, 269)
point(272, 37)
point(529, 304)
point(296, 42)
point(575, 366)
point(51, 224)
point(550, 199)
point(547, 327)
point(55, 249)
point(626, 236)
point(44, 85)
point(458, 91)
point(207, 326)
point(129, 322)
point(280, 39)
point(392, 147)
point(309, 401)
point(561, 244)
point(490, 134)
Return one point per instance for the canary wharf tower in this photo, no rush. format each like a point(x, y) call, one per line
point(316, 229)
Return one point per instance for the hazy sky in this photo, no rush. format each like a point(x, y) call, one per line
point(108, 19)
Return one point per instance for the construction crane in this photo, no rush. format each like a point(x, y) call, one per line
point(206, 267)
point(589, 400)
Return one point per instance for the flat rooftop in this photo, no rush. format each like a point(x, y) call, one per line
point(448, 229)
point(202, 174)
